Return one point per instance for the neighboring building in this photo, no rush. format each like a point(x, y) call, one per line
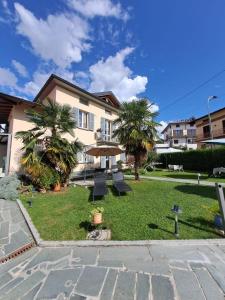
point(94, 114)
point(165, 148)
point(203, 127)
point(181, 134)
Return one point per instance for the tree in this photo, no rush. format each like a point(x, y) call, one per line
point(136, 129)
point(44, 147)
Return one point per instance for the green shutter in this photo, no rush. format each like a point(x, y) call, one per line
point(91, 118)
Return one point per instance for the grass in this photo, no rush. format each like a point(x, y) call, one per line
point(144, 215)
point(184, 175)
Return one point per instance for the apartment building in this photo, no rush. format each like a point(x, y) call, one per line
point(181, 134)
point(217, 126)
point(94, 114)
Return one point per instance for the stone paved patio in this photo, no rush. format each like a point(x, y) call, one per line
point(155, 272)
point(14, 233)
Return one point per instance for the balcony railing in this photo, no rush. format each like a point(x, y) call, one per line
point(101, 137)
point(217, 133)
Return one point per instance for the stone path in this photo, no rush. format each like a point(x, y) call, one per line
point(14, 233)
point(179, 180)
point(154, 272)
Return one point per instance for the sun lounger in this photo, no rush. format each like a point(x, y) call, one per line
point(120, 185)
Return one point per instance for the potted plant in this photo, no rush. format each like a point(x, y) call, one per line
point(56, 182)
point(96, 215)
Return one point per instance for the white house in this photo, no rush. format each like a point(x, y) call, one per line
point(181, 134)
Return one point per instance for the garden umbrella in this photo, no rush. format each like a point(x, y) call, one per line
point(104, 151)
point(215, 142)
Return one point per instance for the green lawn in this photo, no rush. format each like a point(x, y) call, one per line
point(184, 175)
point(144, 215)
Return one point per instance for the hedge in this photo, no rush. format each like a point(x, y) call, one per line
point(195, 160)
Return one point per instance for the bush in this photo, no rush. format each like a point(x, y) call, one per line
point(9, 187)
point(47, 179)
point(197, 160)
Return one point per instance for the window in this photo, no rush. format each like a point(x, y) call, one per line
point(107, 132)
point(176, 142)
point(178, 133)
point(206, 131)
point(83, 158)
point(177, 125)
point(84, 101)
point(223, 126)
point(108, 112)
point(83, 119)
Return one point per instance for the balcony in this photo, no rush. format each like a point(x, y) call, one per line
point(217, 133)
point(102, 138)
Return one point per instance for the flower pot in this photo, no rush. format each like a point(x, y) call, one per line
point(57, 187)
point(97, 218)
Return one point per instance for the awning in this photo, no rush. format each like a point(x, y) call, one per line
point(215, 141)
point(104, 151)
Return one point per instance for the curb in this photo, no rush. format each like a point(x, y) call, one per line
point(32, 228)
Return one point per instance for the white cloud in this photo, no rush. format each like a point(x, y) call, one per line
point(7, 78)
point(103, 8)
point(60, 38)
point(161, 128)
point(112, 74)
point(20, 68)
point(154, 108)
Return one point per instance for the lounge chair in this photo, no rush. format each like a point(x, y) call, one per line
point(120, 185)
point(100, 188)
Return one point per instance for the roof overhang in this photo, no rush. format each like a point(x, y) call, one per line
point(55, 80)
point(6, 104)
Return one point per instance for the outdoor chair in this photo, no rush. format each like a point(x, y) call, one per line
point(114, 168)
point(120, 185)
point(100, 188)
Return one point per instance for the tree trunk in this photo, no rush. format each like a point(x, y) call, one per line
point(136, 166)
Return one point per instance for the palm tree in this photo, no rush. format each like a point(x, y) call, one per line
point(44, 147)
point(136, 129)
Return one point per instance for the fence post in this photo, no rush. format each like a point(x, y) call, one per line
point(220, 195)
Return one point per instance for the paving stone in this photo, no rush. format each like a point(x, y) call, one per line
point(48, 255)
point(125, 286)
point(218, 276)
point(32, 293)
point(162, 288)
point(91, 281)
point(4, 278)
point(178, 264)
point(59, 265)
point(25, 286)
point(183, 253)
point(18, 240)
point(195, 266)
point(156, 267)
point(10, 285)
point(124, 253)
point(4, 230)
point(109, 284)
point(142, 287)
point(84, 255)
point(187, 285)
point(16, 215)
point(77, 297)
point(4, 241)
point(209, 286)
point(110, 263)
point(59, 282)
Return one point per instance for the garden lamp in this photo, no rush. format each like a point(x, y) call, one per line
point(199, 178)
point(30, 202)
point(176, 210)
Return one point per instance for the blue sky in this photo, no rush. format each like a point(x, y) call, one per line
point(158, 49)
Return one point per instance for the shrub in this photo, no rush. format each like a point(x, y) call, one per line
point(197, 160)
point(9, 187)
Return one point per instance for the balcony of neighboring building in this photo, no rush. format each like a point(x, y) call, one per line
point(181, 133)
point(216, 133)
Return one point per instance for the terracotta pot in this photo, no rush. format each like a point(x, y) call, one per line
point(97, 218)
point(57, 187)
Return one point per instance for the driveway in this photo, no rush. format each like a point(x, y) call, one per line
point(122, 272)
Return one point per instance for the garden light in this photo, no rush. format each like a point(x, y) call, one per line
point(30, 202)
point(176, 210)
point(199, 178)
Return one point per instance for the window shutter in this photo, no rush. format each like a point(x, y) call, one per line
point(75, 115)
point(123, 157)
point(103, 127)
point(91, 118)
point(103, 162)
point(79, 157)
point(113, 160)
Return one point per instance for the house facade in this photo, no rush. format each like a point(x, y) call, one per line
point(217, 126)
point(181, 134)
point(94, 114)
